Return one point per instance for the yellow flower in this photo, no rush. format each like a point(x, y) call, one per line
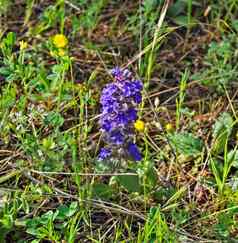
point(139, 125)
point(168, 127)
point(23, 45)
point(61, 52)
point(60, 41)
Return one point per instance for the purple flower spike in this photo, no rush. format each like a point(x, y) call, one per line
point(119, 100)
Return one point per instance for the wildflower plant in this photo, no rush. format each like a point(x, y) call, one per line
point(58, 46)
point(119, 101)
point(60, 40)
point(23, 45)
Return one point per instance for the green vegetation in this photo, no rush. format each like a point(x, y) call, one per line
point(55, 58)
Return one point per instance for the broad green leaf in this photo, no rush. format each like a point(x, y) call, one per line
point(46, 217)
point(35, 241)
point(234, 24)
point(176, 9)
point(130, 182)
point(183, 20)
point(151, 177)
point(216, 167)
point(54, 119)
point(102, 191)
point(10, 39)
point(66, 212)
point(186, 143)
point(221, 132)
point(232, 158)
point(8, 98)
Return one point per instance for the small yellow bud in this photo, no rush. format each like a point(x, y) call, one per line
point(60, 40)
point(52, 53)
point(23, 45)
point(168, 127)
point(237, 136)
point(61, 52)
point(139, 125)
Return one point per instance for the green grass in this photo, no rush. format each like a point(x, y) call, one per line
point(52, 187)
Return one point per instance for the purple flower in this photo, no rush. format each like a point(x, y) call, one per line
point(116, 72)
point(137, 85)
point(110, 106)
point(137, 98)
point(106, 125)
point(116, 137)
point(104, 153)
point(110, 89)
point(118, 113)
point(131, 114)
point(122, 119)
point(127, 89)
point(133, 151)
point(121, 74)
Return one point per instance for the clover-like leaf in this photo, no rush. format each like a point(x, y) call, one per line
point(186, 143)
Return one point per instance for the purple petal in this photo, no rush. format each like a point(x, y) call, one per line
point(134, 152)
